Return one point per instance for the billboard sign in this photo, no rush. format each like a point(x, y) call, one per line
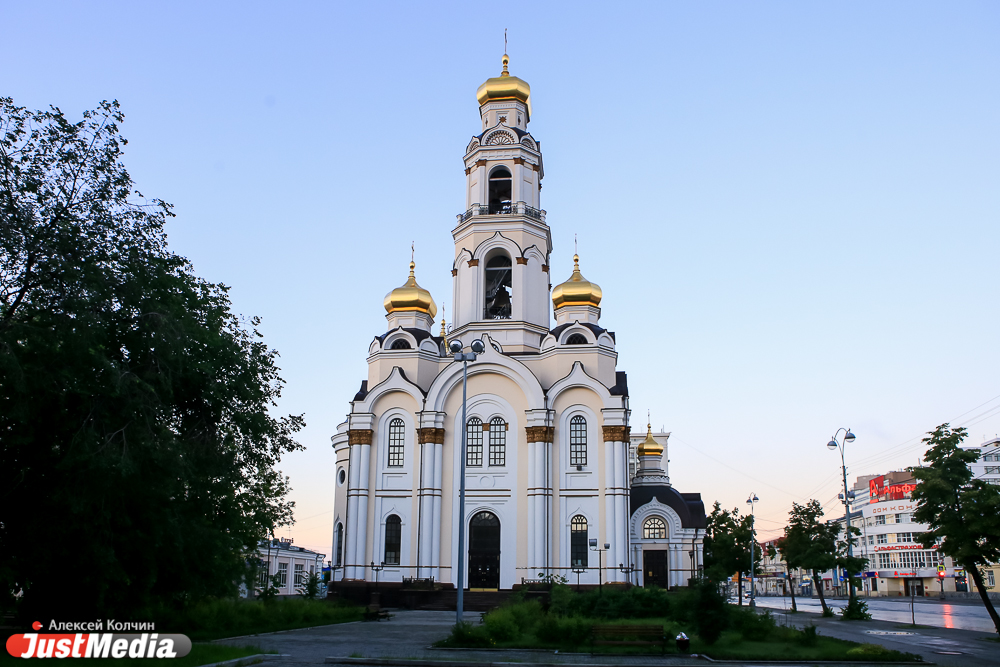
point(879, 492)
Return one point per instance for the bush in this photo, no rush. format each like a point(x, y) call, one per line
point(827, 612)
point(562, 631)
point(856, 610)
point(611, 603)
point(870, 650)
point(809, 636)
point(468, 635)
point(754, 627)
point(501, 625)
point(711, 615)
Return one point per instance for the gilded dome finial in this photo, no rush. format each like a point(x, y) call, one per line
point(410, 296)
point(649, 446)
point(444, 334)
point(505, 60)
point(577, 291)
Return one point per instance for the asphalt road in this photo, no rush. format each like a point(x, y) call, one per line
point(930, 612)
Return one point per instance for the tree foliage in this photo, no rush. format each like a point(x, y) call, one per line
point(963, 513)
point(138, 452)
point(810, 544)
point(727, 545)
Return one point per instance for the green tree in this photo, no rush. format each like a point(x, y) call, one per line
point(775, 550)
point(963, 513)
point(137, 448)
point(727, 546)
point(811, 544)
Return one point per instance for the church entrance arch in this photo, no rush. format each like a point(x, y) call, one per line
point(484, 551)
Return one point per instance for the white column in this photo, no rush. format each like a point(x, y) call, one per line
point(610, 518)
point(361, 526)
point(436, 532)
point(426, 502)
point(620, 546)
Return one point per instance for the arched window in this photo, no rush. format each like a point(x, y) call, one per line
point(576, 339)
point(397, 434)
point(578, 541)
point(498, 288)
point(340, 545)
point(401, 344)
point(654, 528)
point(474, 442)
point(500, 191)
point(498, 442)
point(578, 441)
point(393, 538)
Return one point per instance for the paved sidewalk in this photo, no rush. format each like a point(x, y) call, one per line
point(944, 646)
point(408, 635)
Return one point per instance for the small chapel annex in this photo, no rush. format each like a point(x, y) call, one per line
point(549, 442)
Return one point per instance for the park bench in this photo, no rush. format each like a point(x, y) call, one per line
point(628, 635)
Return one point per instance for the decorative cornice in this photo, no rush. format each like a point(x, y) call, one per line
point(539, 433)
point(616, 433)
point(468, 170)
point(454, 272)
point(545, 268)
point(473, 262)
point(430, 435)
point(359, 436)
point(521, 260)
point(480, 163)
point(519, 160)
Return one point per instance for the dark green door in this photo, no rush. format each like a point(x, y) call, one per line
point(484, 551)
point(654, 568)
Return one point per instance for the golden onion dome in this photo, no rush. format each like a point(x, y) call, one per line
point(577, 291)
point(649, 446)
point(505, 87)
point(410, 296)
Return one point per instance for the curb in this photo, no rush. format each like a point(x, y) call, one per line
point(279, 632)
point(399, 662)
point(249, 660)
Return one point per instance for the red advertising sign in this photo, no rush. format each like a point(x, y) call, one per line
point(878, 492)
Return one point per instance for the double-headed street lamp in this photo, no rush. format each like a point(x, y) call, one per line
point(753, 560)
point(834, 444)
point(465, 357)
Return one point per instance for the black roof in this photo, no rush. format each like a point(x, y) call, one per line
point(360, 396)
point(689, 506)
point(621, 384)
point(593, 327)
point(419, 334)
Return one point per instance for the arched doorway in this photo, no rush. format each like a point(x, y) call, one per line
point(484, 551)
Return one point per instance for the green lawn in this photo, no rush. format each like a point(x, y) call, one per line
point(235, 618)
point(566, 625)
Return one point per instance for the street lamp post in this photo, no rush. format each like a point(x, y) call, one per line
point(600, 562)
point(627, 570)
point(465, 357)
point(753, 559)
point(834, 444)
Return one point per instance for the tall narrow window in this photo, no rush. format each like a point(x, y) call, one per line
point(397, 432)
point(578, 441)
point(498, 288)
point(654, 528)
point(578, 541)
point(498, 442)
point(500, 191)
point(474, 442)
point(340, 545)
point(393, 538)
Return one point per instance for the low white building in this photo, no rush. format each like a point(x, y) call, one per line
point(292, 564)
point(987, 468)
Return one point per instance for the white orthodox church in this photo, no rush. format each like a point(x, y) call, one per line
point(549, 449)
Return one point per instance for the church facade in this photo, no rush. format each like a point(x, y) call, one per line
point(548, 439)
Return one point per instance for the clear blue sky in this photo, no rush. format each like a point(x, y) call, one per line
point(793, 208)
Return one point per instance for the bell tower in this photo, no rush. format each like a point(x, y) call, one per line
point(502, 244)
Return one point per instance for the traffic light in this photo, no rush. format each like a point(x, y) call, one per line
point(941, 571)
